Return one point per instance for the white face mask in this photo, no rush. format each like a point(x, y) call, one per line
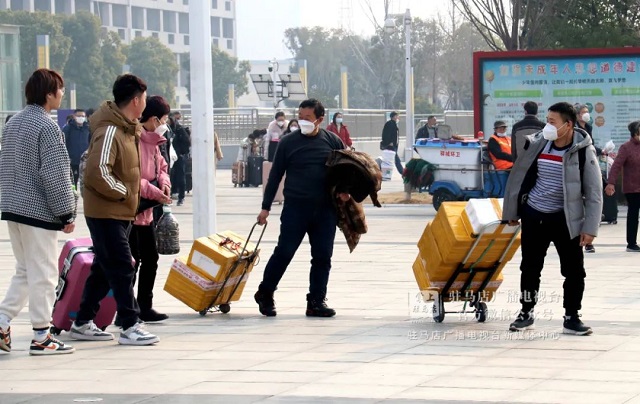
point(80, 120)
point(550, 132)
point(339, 120)
point(293, 128)
point(280, 123)
point(307, 127)
point(586, 117)
point(162, 129)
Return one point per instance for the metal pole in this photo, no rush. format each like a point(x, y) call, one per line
point(408, 151)
point(202, 147)
point(274, 78)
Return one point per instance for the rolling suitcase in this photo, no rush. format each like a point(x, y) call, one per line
point(254, 171)
point(74, 265)
point(266, 169)
point(238, 173)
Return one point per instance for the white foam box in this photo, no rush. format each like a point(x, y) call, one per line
point(482, 212)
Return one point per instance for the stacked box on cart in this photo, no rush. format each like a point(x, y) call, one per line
point(197, 291)
point(214, 256)
point(448, 239)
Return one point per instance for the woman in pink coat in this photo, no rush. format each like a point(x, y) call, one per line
point(155, 189)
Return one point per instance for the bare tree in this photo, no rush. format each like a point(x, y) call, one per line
point(513, 24)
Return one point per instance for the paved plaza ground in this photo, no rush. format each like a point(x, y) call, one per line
point(377, 349)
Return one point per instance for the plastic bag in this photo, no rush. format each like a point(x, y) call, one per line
point(168, 233)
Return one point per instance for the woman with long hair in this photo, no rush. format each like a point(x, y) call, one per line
point(339, 128)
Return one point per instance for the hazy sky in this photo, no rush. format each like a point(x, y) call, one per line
point(261, 23)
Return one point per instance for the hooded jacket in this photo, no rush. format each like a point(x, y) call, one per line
point(582, 188)
point(76, 138)
point(152, 167)
point(112, 174)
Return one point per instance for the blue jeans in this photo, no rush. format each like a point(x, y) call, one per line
point(300, 217)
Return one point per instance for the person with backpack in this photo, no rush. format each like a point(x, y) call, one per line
point(181, 143)
point(555, 190)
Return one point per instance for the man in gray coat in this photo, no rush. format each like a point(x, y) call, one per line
point(555, 188)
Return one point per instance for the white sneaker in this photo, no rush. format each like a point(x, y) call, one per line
point(89, 332)
point(137, 335)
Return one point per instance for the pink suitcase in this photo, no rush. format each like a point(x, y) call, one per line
point(74, 265)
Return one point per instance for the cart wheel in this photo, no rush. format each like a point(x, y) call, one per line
point(55, 330)
point(225, 308)
point(481, 312)
point(442, 195)
point(438, 310)
point(203, 312)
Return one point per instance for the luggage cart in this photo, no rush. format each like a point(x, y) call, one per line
point(474, 298)
point(243, 259)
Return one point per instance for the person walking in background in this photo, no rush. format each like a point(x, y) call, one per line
point(37, 202)
point(76, 137)
point(217, 148)
point(529, 125)
point(558, 195)
point(292, 127)
point(181, 143)
point(155, 189)
point(308, 209)
point(391, 138)
point(627, 163)
point(275, 130)
point(339, 128)
point(111, 195)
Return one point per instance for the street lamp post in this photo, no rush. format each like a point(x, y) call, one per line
point(390, 26)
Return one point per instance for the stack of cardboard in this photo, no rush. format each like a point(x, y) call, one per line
point(214, 263)
point(448, 239)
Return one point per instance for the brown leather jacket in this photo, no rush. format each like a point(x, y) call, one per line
point(112, 174)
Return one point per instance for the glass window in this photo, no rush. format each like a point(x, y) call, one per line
point(227, 6)
point(171, 39)
point(83, 5)
point(215, 26)
point(119, 15)
point(154, 34)
point(183, 23)
point(227, 28)
point(122, 34)
point(102, 11)
point(63, 6)
point(185, 2)
point(137, 17)
point(229, 43)
point(42, 5)
point(138, 34)
point(214, 4)
point(169, 21)
point(186, 39)
point(153, 19)
point(215, 42)
point(19, 5)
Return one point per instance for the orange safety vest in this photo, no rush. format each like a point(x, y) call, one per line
point(505, 145)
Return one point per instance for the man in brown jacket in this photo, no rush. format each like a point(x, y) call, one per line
point(111, 195)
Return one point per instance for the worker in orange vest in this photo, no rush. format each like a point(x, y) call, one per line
point(500, 147)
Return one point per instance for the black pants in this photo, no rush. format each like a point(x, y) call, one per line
point(112, 269)
point(271, 153)
point(633, 202)
point(300, 217)
point(538, 231)
point(142, 240)
point(75, 169)
point(178, 177)
point(399, 163)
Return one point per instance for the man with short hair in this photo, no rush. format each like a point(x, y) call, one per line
point(76, 136)
point(37, 202)
point(308, 209)
point(429, 130)
point(529, 125)
point(500, 147)
point(555, 188)
point(111, 196)
point(391, 138)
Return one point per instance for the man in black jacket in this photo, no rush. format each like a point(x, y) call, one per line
point(528, 126)
point(182, 146)
point(308, 208)
point(391, 138)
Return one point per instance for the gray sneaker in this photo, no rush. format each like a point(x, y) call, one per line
point(137, 335)
point(524, 321)
point(89, 332)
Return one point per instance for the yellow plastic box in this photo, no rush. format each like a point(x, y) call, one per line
point(215, 255)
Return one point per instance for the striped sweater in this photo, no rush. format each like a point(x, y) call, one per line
point(36, 185)
point(547, 195)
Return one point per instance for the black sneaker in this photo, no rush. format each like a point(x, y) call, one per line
point(50, 346)
point(318, 308)
point(266, 304)
point(589, 248)
point(524, 321)
point(574, 326)
point(5, 340)
point(152, 316)
point(180, 202)
point(633, 248)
